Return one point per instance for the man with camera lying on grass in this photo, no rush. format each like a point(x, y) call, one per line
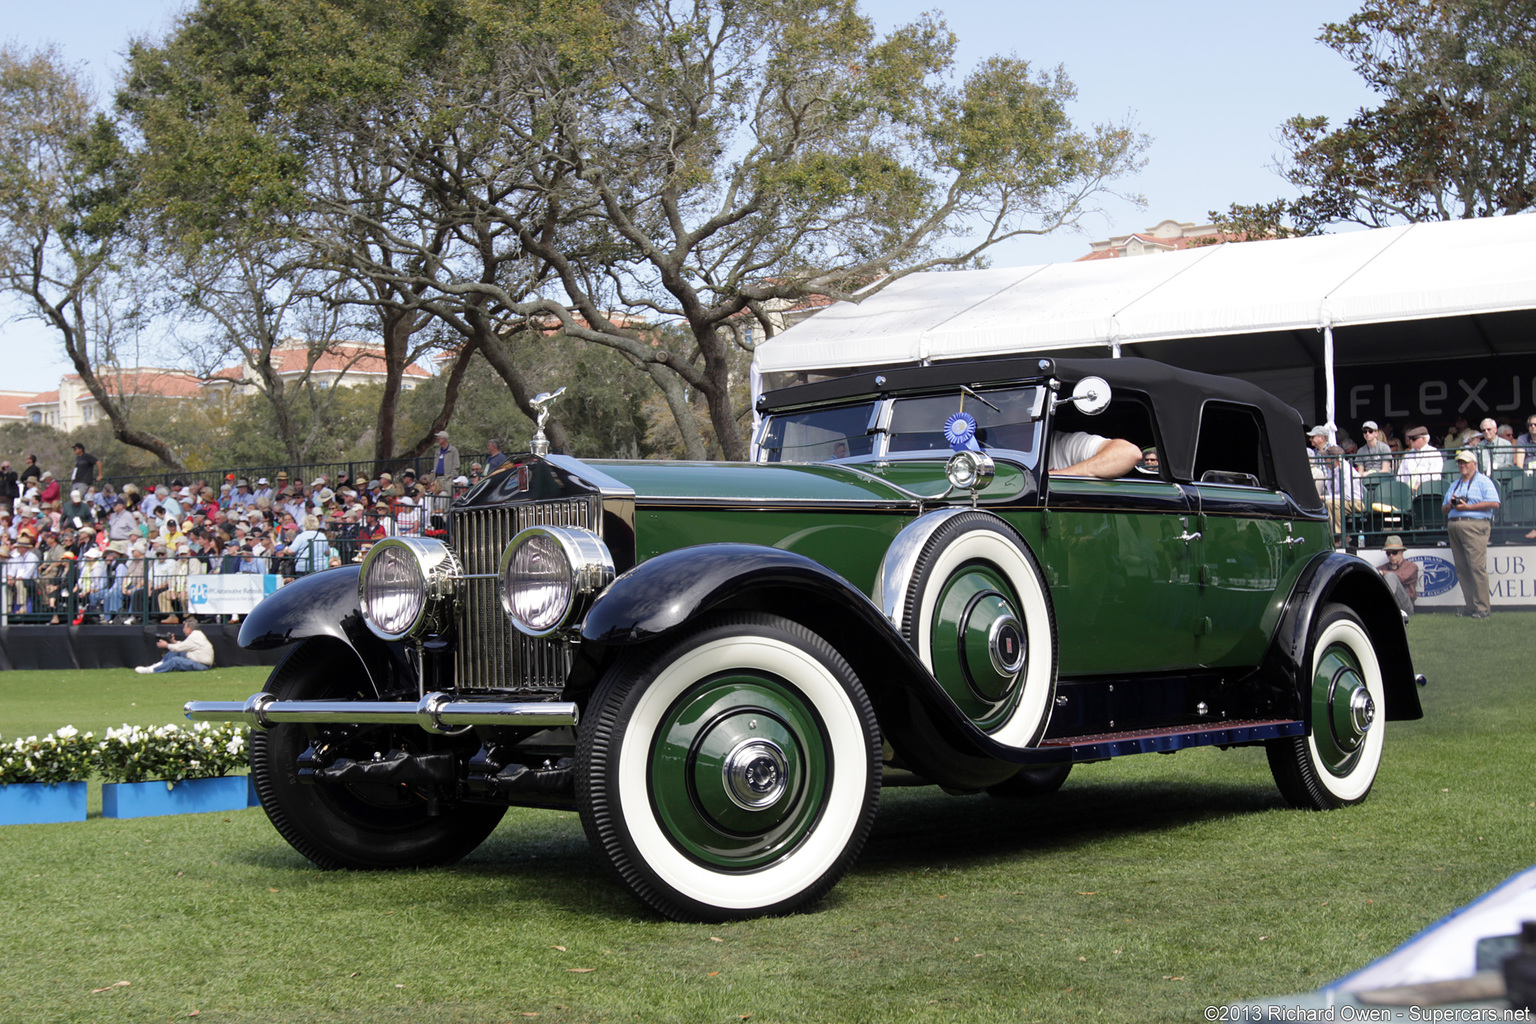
point(193, 653)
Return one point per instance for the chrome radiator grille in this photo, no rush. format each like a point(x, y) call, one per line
point(490, 654)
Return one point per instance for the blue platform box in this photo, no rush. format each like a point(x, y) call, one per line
point(36, 803)
point(193, 796)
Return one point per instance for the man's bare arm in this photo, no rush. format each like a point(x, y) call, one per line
point(1115, 458)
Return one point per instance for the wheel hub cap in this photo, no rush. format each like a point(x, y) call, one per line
point(738, 770)
point(1363, 710)
point(755, 774)
point(1343, 709)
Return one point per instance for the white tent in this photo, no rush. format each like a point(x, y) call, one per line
point(1266, 311)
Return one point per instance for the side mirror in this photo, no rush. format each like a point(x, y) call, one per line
point(1091, 395)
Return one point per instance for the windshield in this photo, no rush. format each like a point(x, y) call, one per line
point(1005, 419)
point(820, 435)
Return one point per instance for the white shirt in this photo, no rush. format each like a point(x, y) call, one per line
point(22, 566)
point(195, 647)
point(1423, 464)
point(1069, 447)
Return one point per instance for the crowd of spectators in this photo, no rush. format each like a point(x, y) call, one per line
point(1381, 447)
point(1345, 471)
point(85, 550)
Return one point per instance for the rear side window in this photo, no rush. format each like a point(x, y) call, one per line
point(1232, 448)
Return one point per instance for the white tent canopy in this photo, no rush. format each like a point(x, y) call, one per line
point(1282, 289)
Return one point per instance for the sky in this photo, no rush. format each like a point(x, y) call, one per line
point(1209, 80)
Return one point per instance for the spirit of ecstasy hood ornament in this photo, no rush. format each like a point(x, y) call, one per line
point(541, 403)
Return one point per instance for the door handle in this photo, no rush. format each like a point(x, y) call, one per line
point(1186, 536)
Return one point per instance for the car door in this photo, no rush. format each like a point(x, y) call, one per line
point(1120, 556)
point(1253, 539)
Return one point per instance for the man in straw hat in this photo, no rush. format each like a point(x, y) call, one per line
point(21, 570)
point(1401, 575)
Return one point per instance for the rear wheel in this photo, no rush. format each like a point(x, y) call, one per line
point(355, 824)
point(1335, 763)
point(732, 772)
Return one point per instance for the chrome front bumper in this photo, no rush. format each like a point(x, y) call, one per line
point(436, 712)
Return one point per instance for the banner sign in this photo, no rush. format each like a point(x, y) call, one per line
point(1407, 394)
point(1511, 576)
point(231, 594)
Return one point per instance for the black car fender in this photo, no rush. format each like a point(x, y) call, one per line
point(1336, 577)
point(667, 592)
point(325, 606)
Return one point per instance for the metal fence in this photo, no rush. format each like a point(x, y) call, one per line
point(112, 589)
point(1371, 497)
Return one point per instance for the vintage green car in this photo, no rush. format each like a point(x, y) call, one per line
point(717, 665)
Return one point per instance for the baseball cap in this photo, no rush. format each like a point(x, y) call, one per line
point(1369, 425)
point(1465, 456)
point(1318, 431)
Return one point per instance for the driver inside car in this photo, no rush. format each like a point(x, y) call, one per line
point(1078, 453)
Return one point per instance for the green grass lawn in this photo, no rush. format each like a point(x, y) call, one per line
point(1147, 889)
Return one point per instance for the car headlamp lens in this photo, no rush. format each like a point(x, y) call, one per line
point(401, 582)
point(549, 574)
point(968, 470)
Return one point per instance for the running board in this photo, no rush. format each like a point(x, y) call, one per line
point(436, 712)
point(1146, 741)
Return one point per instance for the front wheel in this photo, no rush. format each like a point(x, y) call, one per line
point(732, 772)
point(355, 824)
point(1335, 763)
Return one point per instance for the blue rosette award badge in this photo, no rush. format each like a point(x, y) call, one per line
point(960, 432)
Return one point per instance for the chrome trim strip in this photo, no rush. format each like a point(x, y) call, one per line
point(435, 712)
point(900, 561)
point(795, 504)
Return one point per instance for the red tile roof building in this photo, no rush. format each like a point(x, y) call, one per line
point(1169, 236)
point(344, 365)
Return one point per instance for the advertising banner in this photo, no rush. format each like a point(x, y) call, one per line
point(232, 594)
point(1511, 576)
point(1409, 393)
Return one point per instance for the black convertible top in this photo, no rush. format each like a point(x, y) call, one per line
point(1178, 398)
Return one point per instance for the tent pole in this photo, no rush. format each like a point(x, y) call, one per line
point(1328, 385)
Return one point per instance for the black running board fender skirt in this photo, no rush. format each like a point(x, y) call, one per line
point(932, 736)
point(324, 605)
point(1336, 577)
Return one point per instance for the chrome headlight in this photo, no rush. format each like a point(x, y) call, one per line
point(969, 471)
point(406, 587)
point(549, 576)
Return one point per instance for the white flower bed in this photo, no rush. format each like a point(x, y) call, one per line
point(129, 754)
